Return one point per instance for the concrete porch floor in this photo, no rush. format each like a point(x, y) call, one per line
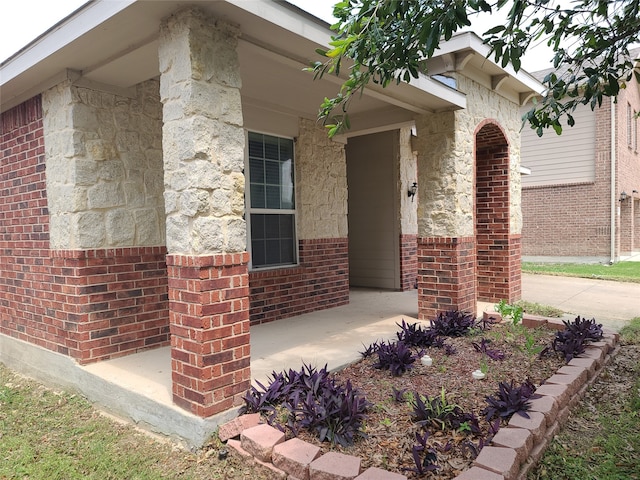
point(333, 337)
point(138, 386)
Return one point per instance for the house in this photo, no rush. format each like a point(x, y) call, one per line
point(164, 181)
point(581, 202)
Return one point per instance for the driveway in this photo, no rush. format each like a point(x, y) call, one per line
point(610, 303)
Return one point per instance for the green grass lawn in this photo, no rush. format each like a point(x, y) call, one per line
point(52, 435)
point(620, 272)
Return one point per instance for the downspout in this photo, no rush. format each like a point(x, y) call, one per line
point(614, 200)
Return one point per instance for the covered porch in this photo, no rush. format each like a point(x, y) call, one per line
point(172, 209)
point(138, 387)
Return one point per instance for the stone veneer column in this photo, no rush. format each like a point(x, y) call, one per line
point(446, 244)
point(203, 146)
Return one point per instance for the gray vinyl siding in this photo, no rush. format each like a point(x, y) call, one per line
point(560, 159)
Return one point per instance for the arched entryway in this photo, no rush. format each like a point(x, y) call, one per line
point(497, 250)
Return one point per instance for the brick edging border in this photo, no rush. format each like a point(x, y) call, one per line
point(512, 453)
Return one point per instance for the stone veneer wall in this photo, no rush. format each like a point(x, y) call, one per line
point(105, 191)
point(321, 278)
point(447, 209)
point(104, 167)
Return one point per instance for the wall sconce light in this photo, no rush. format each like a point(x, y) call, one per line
point(623, 196)
point(412, 190)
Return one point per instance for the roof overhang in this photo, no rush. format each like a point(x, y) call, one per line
point(113, 45)
point(467, 54)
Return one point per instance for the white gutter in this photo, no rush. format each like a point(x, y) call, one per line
point(614, 200)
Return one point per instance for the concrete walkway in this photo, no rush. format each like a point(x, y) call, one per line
point(610, 303)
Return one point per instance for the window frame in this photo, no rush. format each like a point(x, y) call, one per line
point(635, 131)
point(266, 211)
point(629, 126)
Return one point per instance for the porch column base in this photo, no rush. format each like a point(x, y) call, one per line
point(209, 319)
point(446, 275)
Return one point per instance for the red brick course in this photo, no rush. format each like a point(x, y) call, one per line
point(498, 251)
point(408, 262)
point(209, 317)
point(112, 302)
point(446, 275)
point(321, 280)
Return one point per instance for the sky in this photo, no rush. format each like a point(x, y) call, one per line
point(23, 20)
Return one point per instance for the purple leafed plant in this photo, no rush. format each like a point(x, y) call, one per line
point(313, 400)
point(395, 357)
point(414, 335)
point(572, 341)
point(336, 414)
point(424, 457)
point(453, 323)
point(482, 347)
point(509, 400)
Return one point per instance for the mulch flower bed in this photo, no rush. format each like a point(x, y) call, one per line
point(444, 430)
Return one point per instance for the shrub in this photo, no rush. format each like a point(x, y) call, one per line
point(414, 335)
point(572, 341)
point(313, 400)
point(336, 414)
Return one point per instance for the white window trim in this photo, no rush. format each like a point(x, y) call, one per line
point(629, 126)
point(248, 210)
point(635, 131)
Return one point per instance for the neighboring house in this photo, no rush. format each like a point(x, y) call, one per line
point(164, 181)
point(581, 200)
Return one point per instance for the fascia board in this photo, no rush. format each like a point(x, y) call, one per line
point(86, 18)
point(286, 16)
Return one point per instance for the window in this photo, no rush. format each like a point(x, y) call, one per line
point(635, 131)
point(271, 201)
point(629, 126)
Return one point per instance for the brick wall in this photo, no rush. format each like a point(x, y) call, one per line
point(572, 219)
point(27, 301)
point(408, 261)
point(321, 280)
point(112, 302)
point(91, 305)
point(210, 348)
point(628, 169)
point(446, 275)
point(498, 252)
